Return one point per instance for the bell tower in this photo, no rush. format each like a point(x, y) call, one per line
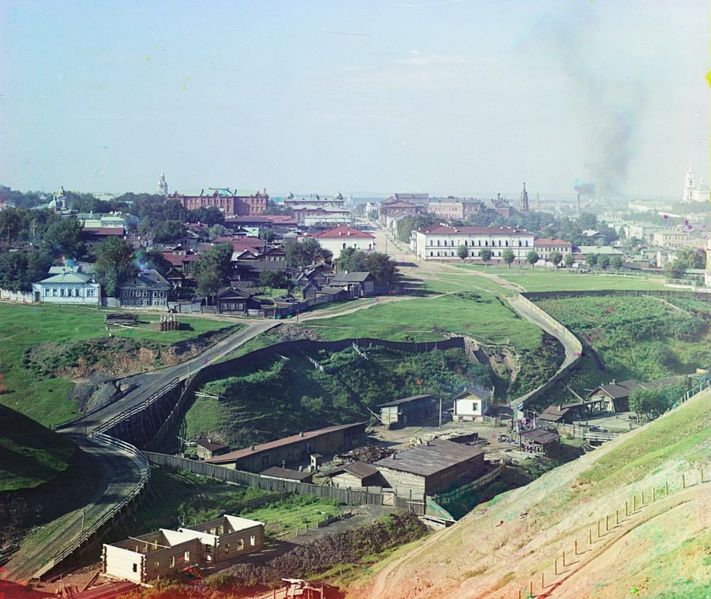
point(163, 186)
point(524, 199)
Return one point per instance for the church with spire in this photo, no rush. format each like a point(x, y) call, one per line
point(163, 186)
point(524, 199)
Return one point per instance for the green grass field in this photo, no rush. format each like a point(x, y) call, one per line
point(565, 280)
point(483, 316)
point(47, 400)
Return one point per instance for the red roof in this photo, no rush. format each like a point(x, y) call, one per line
point(115, 231)
point(551, 242)
point(179, 259)
point(448, 230)
point(343, 231)
point(233, 456)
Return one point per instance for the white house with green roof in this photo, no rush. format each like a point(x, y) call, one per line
point(69, 287)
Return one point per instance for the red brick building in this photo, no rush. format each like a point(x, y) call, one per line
point(229, 204)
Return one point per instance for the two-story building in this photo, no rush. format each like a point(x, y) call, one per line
point(344, 236)
point(546, 247)
point(441, 242)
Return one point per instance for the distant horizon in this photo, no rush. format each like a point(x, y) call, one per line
point(371, 95)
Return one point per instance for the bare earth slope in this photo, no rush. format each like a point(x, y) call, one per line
point(637, 550)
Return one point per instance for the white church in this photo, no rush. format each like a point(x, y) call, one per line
point(693, 191)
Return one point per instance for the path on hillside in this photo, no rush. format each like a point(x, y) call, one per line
point(121, 473)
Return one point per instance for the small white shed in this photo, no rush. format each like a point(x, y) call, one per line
point(472, 404)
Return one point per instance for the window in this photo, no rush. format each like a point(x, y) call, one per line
point(89, 293)
point(61, 292)
point(172, 561)
point(156, 566)
point(186, 556)
point(46, 291)
point(252, 540)
point(135, 567)
point(241, 544)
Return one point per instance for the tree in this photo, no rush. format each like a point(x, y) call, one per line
point(603, 262)
point(556, 258)
point(208, 216)
point(214, 269)
point(532, 257)
point(591, 261)
point(463, 252)
point(508, 256)
point(649, 403)
point(62, 238)
point(276, 279)
point(305, 252)
point(114, 264)
point(616, 262)
point(169, 230)
point(153, 259)
point(568, 260)
point(486, 255)
point(379, 265)
point(18, 270)
point(11, 223)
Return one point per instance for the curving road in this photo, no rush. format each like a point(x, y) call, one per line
point(151, 382)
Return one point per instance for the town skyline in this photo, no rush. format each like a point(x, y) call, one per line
point(543, 96)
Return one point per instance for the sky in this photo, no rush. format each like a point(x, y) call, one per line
point(373, 96)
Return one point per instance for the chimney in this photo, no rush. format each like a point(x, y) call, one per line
point(394, 456)
point(301, 434)
point(253, 448)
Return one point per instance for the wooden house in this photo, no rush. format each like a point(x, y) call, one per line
point(433, 467)
point(279, 473)
point(539, 440)
point(472, 404)
point(416, 409)
point(207, 448)
point(295, 449)
point(354, 475)
point(615, 395)
point(356, 284)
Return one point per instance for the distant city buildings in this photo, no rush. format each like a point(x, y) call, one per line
point(443, 241)
point(693, 191)
point(227, 202)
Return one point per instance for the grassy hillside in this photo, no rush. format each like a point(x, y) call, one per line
point(662, 549)
point(635, 336)
point(279, 397)
point(40, 345)
point(29, 453)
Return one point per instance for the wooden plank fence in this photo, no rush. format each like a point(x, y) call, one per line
point(250, 479)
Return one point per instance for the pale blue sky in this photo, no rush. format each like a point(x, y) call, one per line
point(443, 96)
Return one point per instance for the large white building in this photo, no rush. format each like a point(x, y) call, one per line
point(442, 242)
point(68, 287)
point(344, 236)
point(693, 191)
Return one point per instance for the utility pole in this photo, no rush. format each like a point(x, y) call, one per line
point(440, 412)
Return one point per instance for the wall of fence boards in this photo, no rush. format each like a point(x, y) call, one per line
point(249, 479)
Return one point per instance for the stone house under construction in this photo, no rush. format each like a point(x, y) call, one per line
point(163, 553)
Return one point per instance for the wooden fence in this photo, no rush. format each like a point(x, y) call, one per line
point(249, 479)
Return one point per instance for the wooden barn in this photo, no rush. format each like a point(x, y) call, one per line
point(539, 440)
point(295, 449)
point(355, 474)
point(416, 409)
point(433, 467)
